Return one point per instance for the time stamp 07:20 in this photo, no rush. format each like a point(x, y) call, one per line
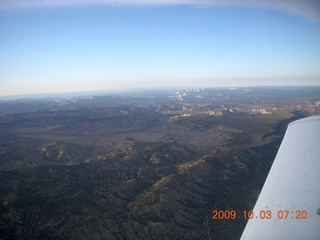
point(262, 214)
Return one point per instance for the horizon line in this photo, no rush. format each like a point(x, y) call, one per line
point(105, 91)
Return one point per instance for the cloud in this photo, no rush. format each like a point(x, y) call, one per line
point(308, 9)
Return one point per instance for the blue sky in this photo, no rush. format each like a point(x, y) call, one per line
point(67, 47)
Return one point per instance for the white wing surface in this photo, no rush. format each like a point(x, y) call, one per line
point(289, 204)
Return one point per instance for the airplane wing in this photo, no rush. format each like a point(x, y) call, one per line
point(289, 204)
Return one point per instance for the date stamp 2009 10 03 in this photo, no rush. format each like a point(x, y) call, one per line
point(262, 214)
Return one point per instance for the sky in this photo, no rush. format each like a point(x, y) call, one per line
point(52, 46)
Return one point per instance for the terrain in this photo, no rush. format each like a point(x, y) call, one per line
point(149, 164)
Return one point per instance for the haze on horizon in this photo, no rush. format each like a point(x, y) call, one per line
point(67, 46)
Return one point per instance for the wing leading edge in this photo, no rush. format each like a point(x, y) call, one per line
point(289, 204)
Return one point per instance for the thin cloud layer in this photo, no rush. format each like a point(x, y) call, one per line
point(308, 9)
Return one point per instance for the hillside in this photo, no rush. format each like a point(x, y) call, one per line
point(147, 166)
point(129, 196)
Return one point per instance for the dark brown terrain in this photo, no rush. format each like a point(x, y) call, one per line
point(152, 165)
